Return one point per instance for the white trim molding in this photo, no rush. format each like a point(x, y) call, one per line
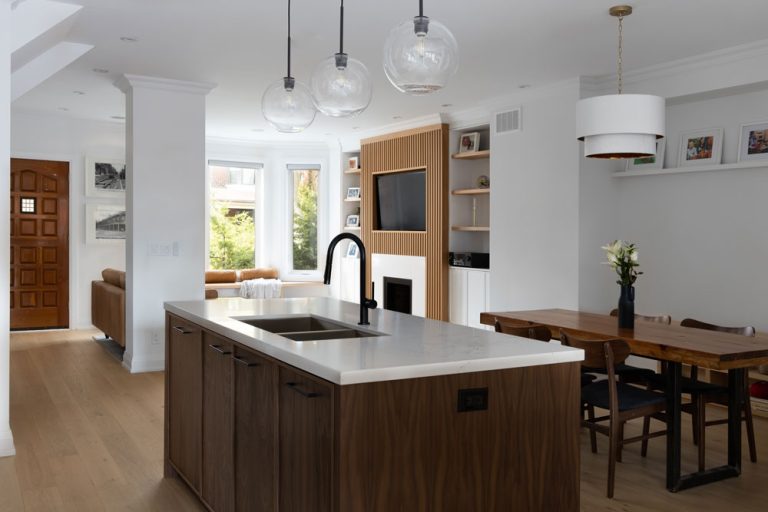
point(128, 82)
point(7, 449)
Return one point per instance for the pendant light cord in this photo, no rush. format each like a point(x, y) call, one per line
point(289, 39)
point(421, 8)
point(621, 51)
point(341, 27)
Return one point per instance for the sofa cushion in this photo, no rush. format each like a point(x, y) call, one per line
point(114, 277)
point(220, 276)
point(258, 273)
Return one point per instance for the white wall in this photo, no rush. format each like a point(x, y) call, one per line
point(72, 140)
point(165, 258)
point(535, 205)
point(702, 236)
point(6, 438)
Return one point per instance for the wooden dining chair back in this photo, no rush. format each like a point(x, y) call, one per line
point(657, 319)
point(527, 330)
point(595, 354)
point(701, 394)
point(623, 402)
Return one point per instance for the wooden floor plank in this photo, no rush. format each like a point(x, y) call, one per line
point(89, 437)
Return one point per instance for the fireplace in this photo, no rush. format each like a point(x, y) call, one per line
point(397, 294)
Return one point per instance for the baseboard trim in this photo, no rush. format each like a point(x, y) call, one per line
point(6, 444)
point(135, 365)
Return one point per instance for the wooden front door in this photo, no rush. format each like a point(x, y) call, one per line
point(39, 244)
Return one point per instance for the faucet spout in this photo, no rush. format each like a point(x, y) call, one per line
point(365, 303)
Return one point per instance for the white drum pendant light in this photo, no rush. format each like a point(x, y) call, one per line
point(620, 125)
point(420, 55)
point(287, 104)
point(340, 84)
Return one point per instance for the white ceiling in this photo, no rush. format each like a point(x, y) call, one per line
point(240, 45)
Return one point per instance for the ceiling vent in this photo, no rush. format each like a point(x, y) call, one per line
point(508, 122)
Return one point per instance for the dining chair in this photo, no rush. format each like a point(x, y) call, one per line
point(622, 401)
point(535, 332)
point(702, 393)
point(634, 374)
point(525, 330)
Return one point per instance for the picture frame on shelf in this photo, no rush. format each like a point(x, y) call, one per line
point(753, 142)
point(352, 250)
point(353, 193)
point(649, 162)
point(105, 224)
point(469, 142)
point(105, 177)
point(353, 221)
point(354, 162)
point(701, 147)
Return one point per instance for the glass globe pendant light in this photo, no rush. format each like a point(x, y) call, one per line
point(287, 104)
point(341, 85)
point(620, 125)
point(420, 55)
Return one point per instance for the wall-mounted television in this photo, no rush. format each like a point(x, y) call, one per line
point(402, 201)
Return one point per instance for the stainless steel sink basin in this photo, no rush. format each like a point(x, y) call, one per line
point(308, 328)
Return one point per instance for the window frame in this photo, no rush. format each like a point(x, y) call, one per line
point(292, 274)
point(258, 205)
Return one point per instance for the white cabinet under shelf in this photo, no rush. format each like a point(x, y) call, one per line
point(469, 292)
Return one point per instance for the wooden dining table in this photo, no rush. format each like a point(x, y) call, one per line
point(676, 346)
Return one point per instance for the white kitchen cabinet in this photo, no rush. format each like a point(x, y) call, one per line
point(469, 290)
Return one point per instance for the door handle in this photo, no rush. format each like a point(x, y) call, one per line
point(307, 394)
point(181, 330)
point(244, 362)
point(218, 349)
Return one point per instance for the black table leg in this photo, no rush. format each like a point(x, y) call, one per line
point(735, 407)
point(674, 371)
point(676, 482)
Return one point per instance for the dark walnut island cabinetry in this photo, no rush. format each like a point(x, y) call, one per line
point(407, 414)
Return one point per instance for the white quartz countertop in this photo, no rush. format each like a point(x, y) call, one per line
point(413, 346)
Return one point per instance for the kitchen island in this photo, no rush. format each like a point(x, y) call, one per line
point(289, 405)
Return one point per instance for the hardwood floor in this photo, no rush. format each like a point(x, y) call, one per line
point(89, 437)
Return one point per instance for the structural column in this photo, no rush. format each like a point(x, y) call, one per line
point(6, 438)
point(165, 204)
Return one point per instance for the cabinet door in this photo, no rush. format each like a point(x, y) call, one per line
point(475, 297)
point(255, 432)
point(218, 474)
point(184, 399)
point(457, 293)
point(306, 442)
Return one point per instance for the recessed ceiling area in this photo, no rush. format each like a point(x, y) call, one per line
point(240, 45)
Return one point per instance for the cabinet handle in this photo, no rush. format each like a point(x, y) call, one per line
point(181, 330)
point(307, 394)
point(220, 350)
point(244, 362)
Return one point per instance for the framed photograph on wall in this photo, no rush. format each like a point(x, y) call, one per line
point(352, 250)
point(469, 142)
point(104, 223)
point(104, 177)
point(353, 221)
point(649, 162)
point(753, 142)
point(701, 147)
point(353, 193)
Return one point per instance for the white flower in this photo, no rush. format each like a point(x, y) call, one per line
point(633, 256)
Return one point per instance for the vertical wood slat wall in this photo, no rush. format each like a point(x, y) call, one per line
point(421, 148)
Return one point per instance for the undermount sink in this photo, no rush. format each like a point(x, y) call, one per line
point(308, 328)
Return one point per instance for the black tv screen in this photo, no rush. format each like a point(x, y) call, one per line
point(402, 201)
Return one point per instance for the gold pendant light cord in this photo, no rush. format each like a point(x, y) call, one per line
point(621, 51)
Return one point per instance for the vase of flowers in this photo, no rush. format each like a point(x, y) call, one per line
point(622, 257)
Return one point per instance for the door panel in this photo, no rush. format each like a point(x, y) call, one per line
point(39, 244)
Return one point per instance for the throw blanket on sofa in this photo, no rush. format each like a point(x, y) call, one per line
point(261, 289)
